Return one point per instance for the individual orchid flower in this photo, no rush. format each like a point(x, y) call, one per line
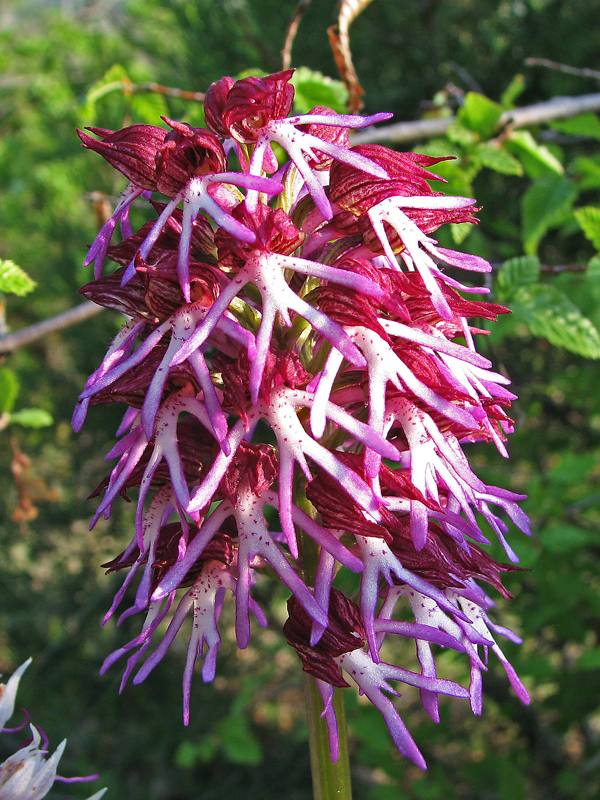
point(341, 648)
point(255, 111)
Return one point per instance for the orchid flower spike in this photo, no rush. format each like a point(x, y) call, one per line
point(299, 374)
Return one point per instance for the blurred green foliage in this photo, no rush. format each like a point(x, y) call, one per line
point(74, 63)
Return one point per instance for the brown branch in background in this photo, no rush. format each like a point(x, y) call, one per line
point(32, 333)
point(581, 72)
point(167, 90)
point(286, 53)
point(557, 108)
point(339, 39)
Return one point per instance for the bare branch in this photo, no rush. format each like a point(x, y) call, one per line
point(557, 108)
point(80, 313)
point(581, 72)
point(286, 53)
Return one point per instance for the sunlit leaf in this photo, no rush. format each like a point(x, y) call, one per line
point(13, 280)
point(589, 220)
point(535, 157)
point(315, 89)
point(498, 159)
point(460, 134)
point(512, 91)
point(587, 125)
point(460, 231)
point(32, 418)
point(9, 389)
point(148, 107)
point(114, 80)
point(480, 114)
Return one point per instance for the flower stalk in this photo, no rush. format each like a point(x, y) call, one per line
point(331, 780)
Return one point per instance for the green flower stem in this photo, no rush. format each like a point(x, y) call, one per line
point(330, 781)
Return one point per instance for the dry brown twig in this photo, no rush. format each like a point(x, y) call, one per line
point(339, 39)
point(169, 91)
point(286, 53)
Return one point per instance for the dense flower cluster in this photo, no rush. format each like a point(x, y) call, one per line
point(307, 299)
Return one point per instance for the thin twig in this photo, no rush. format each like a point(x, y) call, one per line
point(557, 108)
point(286, 53)
point(169, 91)
point(581, 72)
point(80, 313)
point(339, 39)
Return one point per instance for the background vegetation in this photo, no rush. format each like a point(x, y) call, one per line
point(66, 64)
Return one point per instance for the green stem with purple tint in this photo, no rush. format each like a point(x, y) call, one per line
point(330, 781)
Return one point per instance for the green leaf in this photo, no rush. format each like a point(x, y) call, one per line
point(32, 418)
point(548, 313)
point(115, 77)
point(459, 180)
point(572, 469)
point(497, 158)
point(588, 218)
point(514, 273)
point(13, 280)
point(114, 80)
point(251, 72)
point(238, 741)
point(9, 389)
point(148, 108)
point(559, 537)
point(480, 114)
point(590, 659)
point(593, 268)
point(512, 91)
point(543, 203)
point(588, 172)
point(459, 231)
point(535, 157)
point(315, 89)
point(586, 124)
point(186, 755)
point(460, 134)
